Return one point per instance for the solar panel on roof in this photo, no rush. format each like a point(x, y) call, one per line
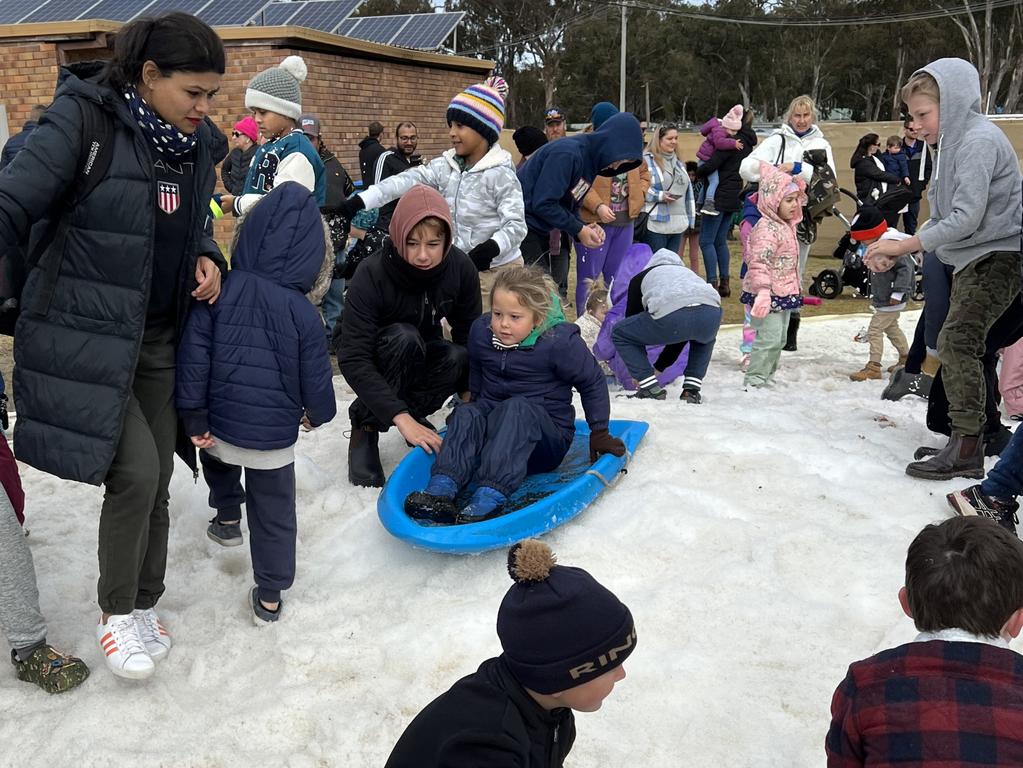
point(13, 11)
point(278, 14)
point(379, 29)
point(116, 10)
point(325, 15)
point(59, 10)
point(346, 26)
point(427, 31)
point(233, 13)
point(160, 7)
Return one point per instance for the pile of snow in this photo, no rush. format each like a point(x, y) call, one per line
point(759, 540)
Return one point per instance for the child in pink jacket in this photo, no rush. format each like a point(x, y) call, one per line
point(772, 286)
point(720, 138)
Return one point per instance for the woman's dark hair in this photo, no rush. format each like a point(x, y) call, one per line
point(965, 573)
point(175, 42)
point(747, 116)
point(866, 142)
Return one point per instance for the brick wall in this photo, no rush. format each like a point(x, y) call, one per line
point(28, 72)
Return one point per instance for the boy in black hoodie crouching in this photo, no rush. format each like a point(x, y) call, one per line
point(565, 638)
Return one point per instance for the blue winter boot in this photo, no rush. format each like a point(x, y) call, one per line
point(485, 504)
point(435, 503)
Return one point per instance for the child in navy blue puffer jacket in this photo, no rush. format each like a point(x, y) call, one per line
point(250, 368)
point(524, 361)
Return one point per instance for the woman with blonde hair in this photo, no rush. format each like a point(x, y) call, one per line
point(784, 149)
point(670, 206)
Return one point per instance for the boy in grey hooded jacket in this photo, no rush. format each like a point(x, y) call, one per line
point(976, 211)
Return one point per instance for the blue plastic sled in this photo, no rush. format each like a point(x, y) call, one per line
point(542, 503)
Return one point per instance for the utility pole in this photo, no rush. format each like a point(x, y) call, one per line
point(621, 66)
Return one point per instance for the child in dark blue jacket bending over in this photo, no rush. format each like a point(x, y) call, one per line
point(252, 367)
point(524, 360)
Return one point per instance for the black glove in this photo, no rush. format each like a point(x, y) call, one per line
point(484, 253)
point(5, 421)
point(601, 442)
point(351, 206)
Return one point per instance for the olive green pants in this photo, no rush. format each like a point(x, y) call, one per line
point(981, 292)
point(134, 521)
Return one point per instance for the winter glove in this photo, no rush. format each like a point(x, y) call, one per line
point(484, 253)
point(351, 206)
point(4, 419)
point(761, 305)
point(601, 442)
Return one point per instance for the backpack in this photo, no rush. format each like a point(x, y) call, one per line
point(822, 193)
point(94, 158)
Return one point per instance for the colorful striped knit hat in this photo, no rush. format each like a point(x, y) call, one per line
point(481, 107)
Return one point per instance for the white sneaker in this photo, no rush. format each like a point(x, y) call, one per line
point(120, 642)
point(154, 636)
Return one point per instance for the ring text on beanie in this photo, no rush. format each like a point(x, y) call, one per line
point(559, 626)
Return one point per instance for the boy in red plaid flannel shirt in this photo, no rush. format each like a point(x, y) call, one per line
point(954, 696)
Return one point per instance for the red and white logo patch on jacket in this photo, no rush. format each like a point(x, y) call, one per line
point(168, 197)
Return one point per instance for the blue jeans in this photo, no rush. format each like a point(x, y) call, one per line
point(937, 295)
point(710, 188)
point(1005, 479)
point(714, 244)
point(334, 300)
point(696, 325)
point(657, 241)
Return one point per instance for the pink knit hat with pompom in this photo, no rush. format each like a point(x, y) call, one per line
point(733, 120)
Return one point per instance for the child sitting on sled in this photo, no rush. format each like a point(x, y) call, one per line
point(524, 361)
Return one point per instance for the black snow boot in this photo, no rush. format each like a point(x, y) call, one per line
point(962, 457)
point(364, 466)
point(994, 443)
point(427, 507)
point(790, 340)
point(903, 383)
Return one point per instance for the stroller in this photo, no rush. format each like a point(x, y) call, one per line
point(828, 284)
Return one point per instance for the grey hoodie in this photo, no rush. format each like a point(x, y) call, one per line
point(975, 197)
point(666, 290)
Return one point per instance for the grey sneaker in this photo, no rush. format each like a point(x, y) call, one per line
point(225, 534)
point(709, 209)
point(262, 616)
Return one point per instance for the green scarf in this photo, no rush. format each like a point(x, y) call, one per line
point(554, 316)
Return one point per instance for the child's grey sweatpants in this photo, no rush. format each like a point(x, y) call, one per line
point(20, 618)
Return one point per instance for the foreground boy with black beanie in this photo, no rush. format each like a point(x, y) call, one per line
point(565, 638)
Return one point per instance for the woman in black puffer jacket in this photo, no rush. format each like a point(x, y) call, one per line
point(872, 179)
point(103, 307)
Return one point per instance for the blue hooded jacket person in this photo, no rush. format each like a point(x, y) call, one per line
point(560, 173)
point(250, 365)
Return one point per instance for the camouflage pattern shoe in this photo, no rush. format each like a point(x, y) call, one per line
point(50, 669)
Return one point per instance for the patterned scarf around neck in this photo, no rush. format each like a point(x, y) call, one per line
point(167, 139)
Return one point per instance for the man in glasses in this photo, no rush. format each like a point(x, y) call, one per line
point(919, 172)
point(398, 158)
point(244, 143)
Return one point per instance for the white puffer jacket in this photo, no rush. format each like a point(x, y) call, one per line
point(485, 200)
point(770, 150)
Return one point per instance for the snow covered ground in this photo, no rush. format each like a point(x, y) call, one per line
point(759, 540)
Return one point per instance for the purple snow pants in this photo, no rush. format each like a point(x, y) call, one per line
point(591, 262)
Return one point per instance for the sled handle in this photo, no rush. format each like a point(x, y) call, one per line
point(622, 471)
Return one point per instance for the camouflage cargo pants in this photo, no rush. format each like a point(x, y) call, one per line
point(980, 293)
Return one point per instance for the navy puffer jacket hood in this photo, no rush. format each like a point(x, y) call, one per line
point(250, 365)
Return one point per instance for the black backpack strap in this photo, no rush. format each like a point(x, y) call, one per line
point(94, 158)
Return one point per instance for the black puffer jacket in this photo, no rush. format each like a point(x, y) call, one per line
point(729, 195)
point(75, 358)
point(385, 291)
point(486, 720)
point(236, 168)
point(369, 150)
point(869, 178)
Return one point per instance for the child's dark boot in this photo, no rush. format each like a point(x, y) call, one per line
point(435, 503)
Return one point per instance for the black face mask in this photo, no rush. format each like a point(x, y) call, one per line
point(625, 167)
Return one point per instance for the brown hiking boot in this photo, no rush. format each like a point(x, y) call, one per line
point(962, 457)
point(871, 370)
point(896, 366)
point(50, 669)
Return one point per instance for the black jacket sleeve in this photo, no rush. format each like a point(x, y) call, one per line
point(468, 303)
point(226, 170)
point(37, 181)
point(360, 325)
point(634, 303)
